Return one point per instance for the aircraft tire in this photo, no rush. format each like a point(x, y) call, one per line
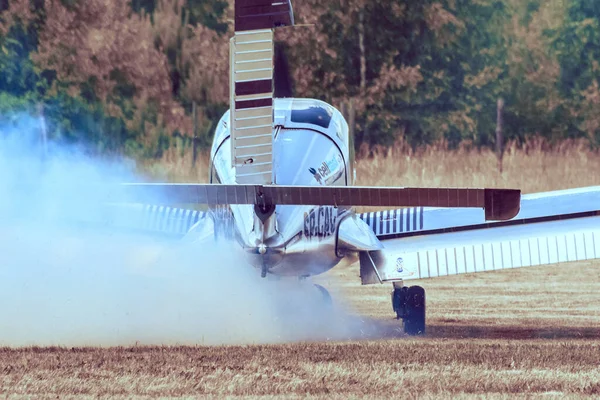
point(414, 320)
point(324, 295)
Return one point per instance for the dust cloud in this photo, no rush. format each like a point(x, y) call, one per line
point(69, 279)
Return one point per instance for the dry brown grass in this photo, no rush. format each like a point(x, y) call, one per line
point(524, 333)
point(533, 167)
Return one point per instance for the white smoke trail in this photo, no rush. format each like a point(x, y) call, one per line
point(75, 285)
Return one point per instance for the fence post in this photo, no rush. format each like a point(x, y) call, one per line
point(349, 114)
point(351, 119)
point(43, 129)
point(195, 134)
point(499, 133)
point(361, 46)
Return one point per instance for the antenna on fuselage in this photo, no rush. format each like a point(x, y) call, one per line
point(251, 87)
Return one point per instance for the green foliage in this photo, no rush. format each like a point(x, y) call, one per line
point(208, 13)
point(197, 12)
point(578, 46)
point(23, 86)
point(147, 6)
point(72, 118)
point(19, 79)
point(433, 69)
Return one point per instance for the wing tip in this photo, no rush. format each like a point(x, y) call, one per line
point(502, 204)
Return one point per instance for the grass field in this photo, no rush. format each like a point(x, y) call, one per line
point(534, 167)
point(533, 332)
point(529, 333)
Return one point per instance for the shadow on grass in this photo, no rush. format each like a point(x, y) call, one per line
point(512, 332)
point(393, 329)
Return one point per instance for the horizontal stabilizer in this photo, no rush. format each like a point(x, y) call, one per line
point(499, 204)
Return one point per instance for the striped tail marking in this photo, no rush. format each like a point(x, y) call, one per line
point(251, 87)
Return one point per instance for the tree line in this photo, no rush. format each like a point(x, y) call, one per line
point(123, 76)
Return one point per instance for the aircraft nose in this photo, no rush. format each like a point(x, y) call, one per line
point(262, 248)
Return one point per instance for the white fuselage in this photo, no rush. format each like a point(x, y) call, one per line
point(311, 147)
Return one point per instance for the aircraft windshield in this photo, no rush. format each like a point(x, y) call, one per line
point(305, 157)
point(310, 112)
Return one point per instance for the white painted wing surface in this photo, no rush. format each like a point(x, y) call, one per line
point(390, 224)
point(481, 250)
point(551, 228)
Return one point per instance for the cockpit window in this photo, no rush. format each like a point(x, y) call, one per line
point(311, 113)
point(320, 163)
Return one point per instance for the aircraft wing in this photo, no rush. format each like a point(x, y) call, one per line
point(422, 243)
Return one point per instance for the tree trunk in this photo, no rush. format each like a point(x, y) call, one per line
point(195, 134)
point(499, 133)
point(361, 45)
point(43, 130)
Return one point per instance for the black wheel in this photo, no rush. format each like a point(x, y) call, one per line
point(399, 301)
point(324, 295)
point(414, 318)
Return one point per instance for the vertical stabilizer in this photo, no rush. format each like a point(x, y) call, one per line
point(251, 87)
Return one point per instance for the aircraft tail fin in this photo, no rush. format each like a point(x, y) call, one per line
point(251, 87)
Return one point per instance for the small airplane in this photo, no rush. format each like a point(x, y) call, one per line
point(281, 176)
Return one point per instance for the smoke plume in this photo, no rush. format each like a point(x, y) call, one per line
point(68, 283)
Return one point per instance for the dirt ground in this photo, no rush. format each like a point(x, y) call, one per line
point(525, 333)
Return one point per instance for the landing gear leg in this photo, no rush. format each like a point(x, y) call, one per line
point(409, 304)
point(325, 295)
point(263, 270)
